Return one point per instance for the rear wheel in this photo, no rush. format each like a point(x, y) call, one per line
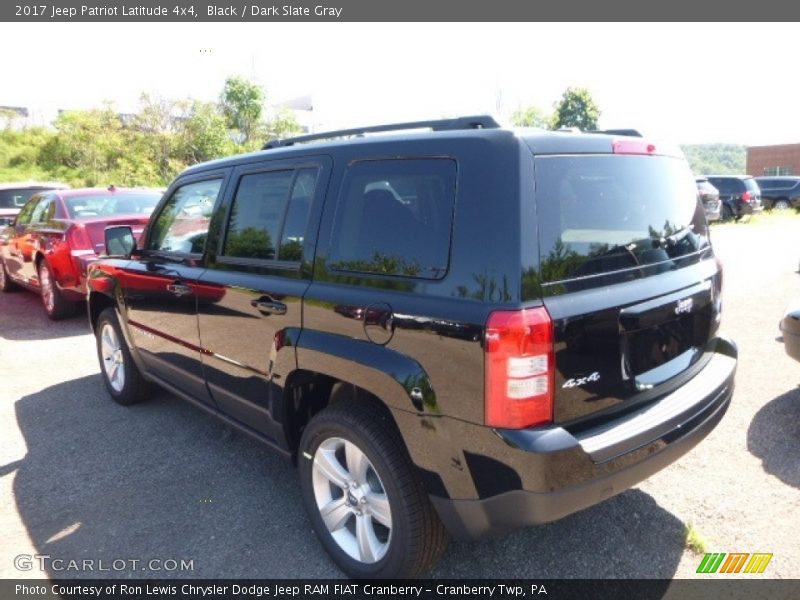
point(781, 204)
point(365, 502)
point(6, 285)
point(120, 374)
point(54, 303)
point(727, 213)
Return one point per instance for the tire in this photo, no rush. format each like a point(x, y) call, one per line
point(121, 376)
point(54, 303)
point(380, 522)
point(780, 204)
point(6, 285)
point(727, 213)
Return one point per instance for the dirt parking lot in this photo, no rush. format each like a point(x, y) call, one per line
point(81, 477)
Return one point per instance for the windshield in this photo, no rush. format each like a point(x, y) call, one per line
point(15, 198)
point(88, 207)
point(751, 186)
point(607, 213)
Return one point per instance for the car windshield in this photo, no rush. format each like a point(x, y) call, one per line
point(15, 198)
point(88, 207)
point(751, 186)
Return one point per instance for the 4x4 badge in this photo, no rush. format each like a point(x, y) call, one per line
point(684, 306)
point(571, 383)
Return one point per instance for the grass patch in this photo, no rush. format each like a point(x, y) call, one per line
point(694, 540)
point(765, 217)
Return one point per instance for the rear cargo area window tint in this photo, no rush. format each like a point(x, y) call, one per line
point(608, 213)
point(395, 217)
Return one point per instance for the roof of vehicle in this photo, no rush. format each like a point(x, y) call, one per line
point(729, 177)
point(780, 177)
point(104, 191)
point(35, 185)
point(540, 141)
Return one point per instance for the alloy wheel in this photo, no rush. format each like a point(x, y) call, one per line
point(352, 500)
point(48, 293)
point(113, 359)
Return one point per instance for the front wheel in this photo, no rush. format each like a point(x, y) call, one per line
point(120, 374)
point(365, 502)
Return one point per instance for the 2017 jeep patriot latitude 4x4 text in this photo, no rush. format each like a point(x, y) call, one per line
point(462, 330)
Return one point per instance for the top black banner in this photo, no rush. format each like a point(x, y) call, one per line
point(396, 10)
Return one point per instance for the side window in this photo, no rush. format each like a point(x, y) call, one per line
point(296, 221)
point(182, 225)
point(24, 216)
point(42, 211)
point(269, 215)
point(395, 217)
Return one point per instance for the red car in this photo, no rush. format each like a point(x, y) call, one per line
point(59, 232)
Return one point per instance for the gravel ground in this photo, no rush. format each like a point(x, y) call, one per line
point(81, 477)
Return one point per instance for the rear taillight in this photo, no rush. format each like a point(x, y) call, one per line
point(78, 240)
point(746, 197)
point(520, 367)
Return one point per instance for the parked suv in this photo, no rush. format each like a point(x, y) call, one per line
point(463, 330)
point(709, 198)
point(780, 193)
point(739, 194)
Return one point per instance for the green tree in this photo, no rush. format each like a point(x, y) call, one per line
point(91, 142)
point(242, 104)
point(576, 109)
point(716, 159)
point(203, 135)
point(532, 116)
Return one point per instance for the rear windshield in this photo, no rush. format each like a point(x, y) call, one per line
point(15, 198)
point(751, 186)
point(89, 207)
point(706, 187)
point(601, 214)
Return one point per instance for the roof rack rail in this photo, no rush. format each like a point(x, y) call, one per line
point(475, 122)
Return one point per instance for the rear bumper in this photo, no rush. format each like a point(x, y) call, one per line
point(71, 275)
point(561, 473)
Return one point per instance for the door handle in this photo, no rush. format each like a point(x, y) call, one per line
point(268, 306)
point(179, 289)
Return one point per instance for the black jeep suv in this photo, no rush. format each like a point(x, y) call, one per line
point(462, 330)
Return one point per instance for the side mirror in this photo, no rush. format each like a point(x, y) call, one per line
point(120, 241)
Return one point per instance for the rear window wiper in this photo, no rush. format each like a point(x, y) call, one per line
point(673, 238)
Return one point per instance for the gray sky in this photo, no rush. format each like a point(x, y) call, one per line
point(688, 83)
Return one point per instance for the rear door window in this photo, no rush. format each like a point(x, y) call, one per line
point(608, 213)
point(269, 215)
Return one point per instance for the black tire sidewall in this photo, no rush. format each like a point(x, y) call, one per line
point(61, 308)
point(6, 285)
point(334, 425)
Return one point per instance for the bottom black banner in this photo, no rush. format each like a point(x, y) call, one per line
point(424, 589)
